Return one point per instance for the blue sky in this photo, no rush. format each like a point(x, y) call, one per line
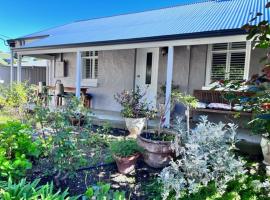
point(22, 17)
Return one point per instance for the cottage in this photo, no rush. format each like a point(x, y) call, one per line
point(187, 45)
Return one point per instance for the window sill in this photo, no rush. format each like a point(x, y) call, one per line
point(89, 82)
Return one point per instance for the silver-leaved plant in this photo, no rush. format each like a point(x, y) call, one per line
point(206, 156)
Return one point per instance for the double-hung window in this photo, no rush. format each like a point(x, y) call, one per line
point(90, 65)
point(227, 61)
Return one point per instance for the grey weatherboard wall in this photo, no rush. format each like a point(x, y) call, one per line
point(116, 72)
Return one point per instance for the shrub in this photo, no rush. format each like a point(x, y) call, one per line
point(125, 148)
point(62, 143)
point(16, 149)
point(75, 111)
point(102, 192)
point(15, 98)
point(25, 191)
point(205, 157)
point(134, 104)
point(65, 155)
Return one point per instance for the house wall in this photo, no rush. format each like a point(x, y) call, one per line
point(255, 65)
point(115, 73)
point(189, 68)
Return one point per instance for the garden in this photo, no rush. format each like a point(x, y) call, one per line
point(56, 153)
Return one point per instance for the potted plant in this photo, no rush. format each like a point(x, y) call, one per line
point(126, 153)
point(75, 111)
point(136, 109)
point(157, 143)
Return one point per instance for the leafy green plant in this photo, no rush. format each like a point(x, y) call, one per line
point(29, 191)
point(17, 148)
point(259, 33)
point(103, 192)
point(76, 113)
point(65, 155)
point(125, 148)
point(16, 98)
point(134, 104)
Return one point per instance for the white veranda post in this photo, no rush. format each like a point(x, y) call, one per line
point(169, 85)
point(19, 69)
point(78, 74)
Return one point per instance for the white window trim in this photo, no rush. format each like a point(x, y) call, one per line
point(209, 62)
point(89, 82)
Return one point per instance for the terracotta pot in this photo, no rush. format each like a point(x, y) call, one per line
point(135, 126)
point(76, 122)
point(266, 106)
point(265, 145)
point(157, 154)
point(127, 164)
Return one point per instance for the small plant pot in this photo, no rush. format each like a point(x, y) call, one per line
point(127, 164)
point(77, 122)
point(265, 145)
point(157, 154)
point(135, 126)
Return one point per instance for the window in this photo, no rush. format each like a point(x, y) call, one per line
point(227, 61)
point(66, 71)
point(90, 65)
point(148, 74)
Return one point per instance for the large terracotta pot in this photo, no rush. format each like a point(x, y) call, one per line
point(265, 144)
point(127, 164)
point(157, 154)
point(135, 126)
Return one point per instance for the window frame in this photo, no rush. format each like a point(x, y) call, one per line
point(228, 52)
point(92, 81)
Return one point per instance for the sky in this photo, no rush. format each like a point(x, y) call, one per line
point(22, 17)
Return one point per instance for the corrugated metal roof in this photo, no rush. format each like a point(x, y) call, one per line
point(203, 17)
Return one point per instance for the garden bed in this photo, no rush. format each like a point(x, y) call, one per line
point(131, 184)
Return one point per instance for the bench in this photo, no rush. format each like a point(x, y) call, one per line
point(213, 96)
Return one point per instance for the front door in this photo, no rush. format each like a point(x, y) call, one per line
point(147, 72)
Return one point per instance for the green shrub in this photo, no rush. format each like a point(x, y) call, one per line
point(31, 191)
point(103, 192)
point(125, 148)
point(14, 98)
point(16, 149)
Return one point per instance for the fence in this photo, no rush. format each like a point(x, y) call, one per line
point(31, 74)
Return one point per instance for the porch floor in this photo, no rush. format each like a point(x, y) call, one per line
point(115, 119)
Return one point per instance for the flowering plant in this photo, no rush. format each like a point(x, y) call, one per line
point(206, 157)
point(135, 104)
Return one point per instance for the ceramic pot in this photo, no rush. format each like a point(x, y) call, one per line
point(157, 154)
point(135, 126)
point(126, 165)
point(265, 145)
